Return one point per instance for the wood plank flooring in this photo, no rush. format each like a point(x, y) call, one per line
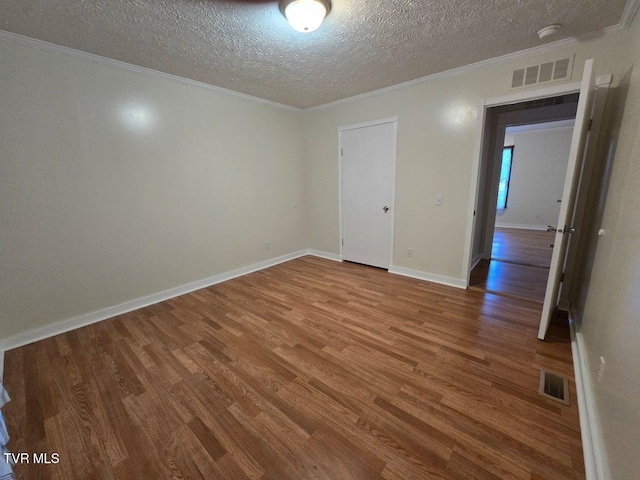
point(510, 279)
point(519, 265)
point(524, 247)
point(309, 369)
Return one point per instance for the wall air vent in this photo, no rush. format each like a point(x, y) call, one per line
point(554, 387)
point(546, 72)
point(562, 69)
point(518, 78)
point(531, 76)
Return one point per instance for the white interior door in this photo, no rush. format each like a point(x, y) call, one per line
point(368, 175)
point(564, 227)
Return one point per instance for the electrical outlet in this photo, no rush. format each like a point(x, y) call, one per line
point(409, 252)
point(603, 364)
point(267, 245)
point(438, 200)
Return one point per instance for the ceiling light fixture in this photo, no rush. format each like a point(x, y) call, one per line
point(548, 30)
point(305, 15)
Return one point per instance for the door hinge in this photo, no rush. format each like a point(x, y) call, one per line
point(562, 277)
point(343, 241)
point(590, 124)
point(341, 152)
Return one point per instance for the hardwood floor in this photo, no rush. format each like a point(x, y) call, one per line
point(524, 247)
point(510, 279)
point(519, 265)
point(310, 369)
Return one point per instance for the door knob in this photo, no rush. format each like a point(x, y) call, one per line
point(385, 209)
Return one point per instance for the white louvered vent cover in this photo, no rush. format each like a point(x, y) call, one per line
point(543, 73)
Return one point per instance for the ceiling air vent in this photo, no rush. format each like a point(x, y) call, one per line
point(554, 387)
point(543, 73)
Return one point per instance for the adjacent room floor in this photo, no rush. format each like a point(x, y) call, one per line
point(309, 369)
point(519, 265)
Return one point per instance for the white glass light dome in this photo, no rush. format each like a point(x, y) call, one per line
point(306, 15)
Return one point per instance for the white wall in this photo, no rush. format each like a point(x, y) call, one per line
point(538, 169)
point(117, 184)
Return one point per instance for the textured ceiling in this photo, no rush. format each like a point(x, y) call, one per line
point(247, 45)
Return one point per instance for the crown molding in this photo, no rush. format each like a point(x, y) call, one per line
point(509, 57)
point(628, 14)
point(541, 127)
point(52, 47)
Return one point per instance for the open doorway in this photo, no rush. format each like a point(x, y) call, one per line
point(522, 179)
point(494, 116)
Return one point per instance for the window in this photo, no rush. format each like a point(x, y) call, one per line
point(505, 176)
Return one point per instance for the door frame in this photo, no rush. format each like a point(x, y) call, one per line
point(481, 109)
point(494, 159)
point(393, 120)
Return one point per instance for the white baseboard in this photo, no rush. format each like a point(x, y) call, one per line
point(595, 463)
point(429, 277)
point(521, 226)
point(57, 328)
point(327, 255)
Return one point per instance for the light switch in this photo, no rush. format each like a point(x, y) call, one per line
point(438, 200)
